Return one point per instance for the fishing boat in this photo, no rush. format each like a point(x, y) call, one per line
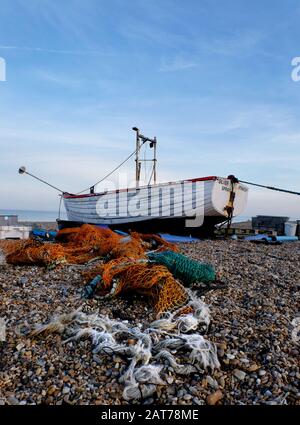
point(185, 207)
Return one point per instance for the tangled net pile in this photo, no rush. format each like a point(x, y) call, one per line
point(81, 244)
point(154, 281)
point(126, 264)
point(155, 348)
point(29, 252)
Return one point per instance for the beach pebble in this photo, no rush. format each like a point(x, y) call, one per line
point(213, 398)
point(239, 374)
point(12, 400)
point(253, 368)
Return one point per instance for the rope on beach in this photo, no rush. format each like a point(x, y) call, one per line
point(152, 349)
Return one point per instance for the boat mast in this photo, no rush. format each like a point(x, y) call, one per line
point(154, 159)
point(140, 141)
point(137, 156)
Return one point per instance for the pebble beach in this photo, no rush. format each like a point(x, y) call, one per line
point(254, 319)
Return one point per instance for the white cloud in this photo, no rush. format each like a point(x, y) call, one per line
point(176, 64)
point(50, 50)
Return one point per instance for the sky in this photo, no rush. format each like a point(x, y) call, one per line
point(210, 79)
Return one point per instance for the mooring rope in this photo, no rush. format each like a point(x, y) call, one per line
point(271, 188)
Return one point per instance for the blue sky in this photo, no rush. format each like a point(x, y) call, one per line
point(211, 79)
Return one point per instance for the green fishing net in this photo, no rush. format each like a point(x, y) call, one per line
point(184, 268)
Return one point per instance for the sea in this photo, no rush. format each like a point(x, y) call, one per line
point(35, 215)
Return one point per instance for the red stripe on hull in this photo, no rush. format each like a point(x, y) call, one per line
point(90, 195)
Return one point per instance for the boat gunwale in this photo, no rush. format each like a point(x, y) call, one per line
point(90, 195)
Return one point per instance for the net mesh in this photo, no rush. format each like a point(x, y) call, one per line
point(156, 242)
point(130, 247)
point(97, 241)
point(154, 281)
point(184, 268)
point(33, 252)
point(8, 246)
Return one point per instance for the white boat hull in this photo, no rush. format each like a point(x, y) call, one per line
point(181, 201)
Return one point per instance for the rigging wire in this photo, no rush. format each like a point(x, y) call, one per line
point(113, 171)
point(151, 175)
point(145, 163)
point(22, 170)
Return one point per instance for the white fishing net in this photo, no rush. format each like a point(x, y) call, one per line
point(156, 347)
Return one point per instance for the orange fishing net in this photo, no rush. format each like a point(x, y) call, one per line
point(89, 274)
point(171, 295)
point(155, 281)
point(126, 271)
point(88, 238)
point(8, 245)
point(81, 244)
point(87, 242)
point(155, 241)
point(130, 247)
point(184, 310)
point(33, 252)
